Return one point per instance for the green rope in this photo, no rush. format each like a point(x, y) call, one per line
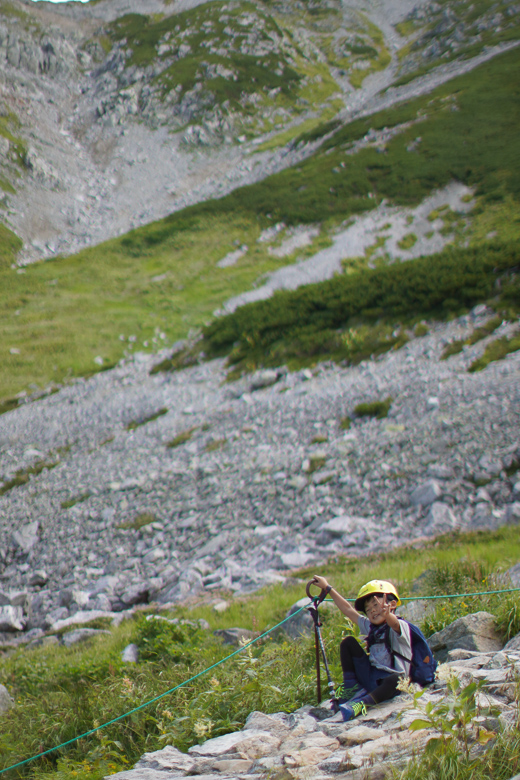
point(219, 663)
point(151, 701)
point(453, 595)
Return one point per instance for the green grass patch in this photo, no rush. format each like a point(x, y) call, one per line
point(139, 521)
point(215, 445)
point(23, 476)
point(75, 500)
point(310, 129)
point(10, 245)
point(377, 409)
point(407, 241)
point(181, 437)
point(496, 350)
point(144, 420)
point(478, 334)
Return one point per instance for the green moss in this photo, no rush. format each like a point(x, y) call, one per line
point(377, 409)
point(182, 437)
point(407, 241)
point(345, 423)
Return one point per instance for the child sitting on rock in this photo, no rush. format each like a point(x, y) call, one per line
point(373, 678)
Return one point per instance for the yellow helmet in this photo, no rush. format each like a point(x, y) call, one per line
point(373, 588)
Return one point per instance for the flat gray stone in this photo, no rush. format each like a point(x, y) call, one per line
point(168, 759)
point(81, 635)
point(416, 611)
point(239, 741)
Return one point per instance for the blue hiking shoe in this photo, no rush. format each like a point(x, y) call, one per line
point(350, 711)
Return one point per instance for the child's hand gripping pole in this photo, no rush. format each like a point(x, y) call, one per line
point(316, 601)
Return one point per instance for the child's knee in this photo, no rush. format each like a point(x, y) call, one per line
point(350, 644)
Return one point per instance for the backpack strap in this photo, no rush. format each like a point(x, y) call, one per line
point(395, 653)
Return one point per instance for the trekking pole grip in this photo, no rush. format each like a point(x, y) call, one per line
point(322, 595)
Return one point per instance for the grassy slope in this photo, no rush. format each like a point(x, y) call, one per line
point(63, 692)
point(71, 310)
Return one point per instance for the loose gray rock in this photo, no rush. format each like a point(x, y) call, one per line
point(6, 701)
point(130, 654)
point(513, 646)
point(38, 579)
point(299, 626)
point(513, 513)
point(426, 494)
point(26, 537)
point(234, 636)
point(264, 379)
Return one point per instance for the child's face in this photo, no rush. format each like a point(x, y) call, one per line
point(377, 609)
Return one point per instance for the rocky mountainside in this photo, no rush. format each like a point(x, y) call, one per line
point(129, 487)
point(117, 113)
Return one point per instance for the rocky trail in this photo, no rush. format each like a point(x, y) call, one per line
point(310, 744)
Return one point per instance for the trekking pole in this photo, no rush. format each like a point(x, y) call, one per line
point(318, 641)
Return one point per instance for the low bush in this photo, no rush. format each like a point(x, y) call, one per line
point(307, 323)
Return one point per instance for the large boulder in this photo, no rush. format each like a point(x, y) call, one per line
point(416, 611)
point(12, 619)
point(26, 537)
point(471, 632)
point(440, 519)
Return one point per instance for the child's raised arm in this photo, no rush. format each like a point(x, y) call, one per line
point(341, 603)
